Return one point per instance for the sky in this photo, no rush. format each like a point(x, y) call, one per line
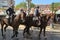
point(38, 1)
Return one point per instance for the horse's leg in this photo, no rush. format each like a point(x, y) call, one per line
point(3, 35)
point(28, 33)
point(24, 30)
point(44, 32)
point(40, 32)
point(13, 33)
point(2, 25)
point(16, 32)
point(2, 29)
point(5, 28)
point(27, 30)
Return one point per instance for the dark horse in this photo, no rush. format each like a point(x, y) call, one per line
point(43, 20)
point(15, 24)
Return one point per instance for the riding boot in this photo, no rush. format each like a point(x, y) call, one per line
point(9, 20)
point(13, 16)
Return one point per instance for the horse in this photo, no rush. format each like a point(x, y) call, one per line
point(43, 20)
point(14, 24)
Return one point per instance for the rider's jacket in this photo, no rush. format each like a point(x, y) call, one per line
point(36, 12)
point(10, 11)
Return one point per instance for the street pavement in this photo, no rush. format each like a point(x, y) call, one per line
point(51, 34)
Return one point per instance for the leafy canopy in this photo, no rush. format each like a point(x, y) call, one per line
point(23, 5)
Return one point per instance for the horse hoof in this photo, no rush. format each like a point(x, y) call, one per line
point(17, 38)
point(4, 36)
point(12, 37)
point(45, 38)
point(39, 38)
point(30, 37)
point(23, 36)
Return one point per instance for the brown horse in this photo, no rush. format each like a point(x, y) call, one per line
point(15, 24)
point(29, 23)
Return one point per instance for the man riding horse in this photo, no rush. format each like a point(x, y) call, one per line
point(10, 12)
point(37, 11)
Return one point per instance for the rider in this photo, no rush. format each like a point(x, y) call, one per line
point(37, 11)
point(10, 12)
point(23, 14)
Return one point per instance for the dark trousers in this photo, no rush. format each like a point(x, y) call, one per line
point(10, 19)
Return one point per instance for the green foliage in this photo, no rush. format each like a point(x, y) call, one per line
point(56, 5)
point(32, 5)
point(23, 5)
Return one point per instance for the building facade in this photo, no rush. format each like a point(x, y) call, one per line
point(6, 3)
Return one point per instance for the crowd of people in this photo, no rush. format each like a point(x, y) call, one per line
point(36, 11)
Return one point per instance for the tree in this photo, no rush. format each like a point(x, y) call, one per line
point(56, 5)
point(23, 5)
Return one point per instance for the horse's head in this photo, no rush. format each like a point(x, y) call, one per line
point(45, 18)
point(21, 14)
